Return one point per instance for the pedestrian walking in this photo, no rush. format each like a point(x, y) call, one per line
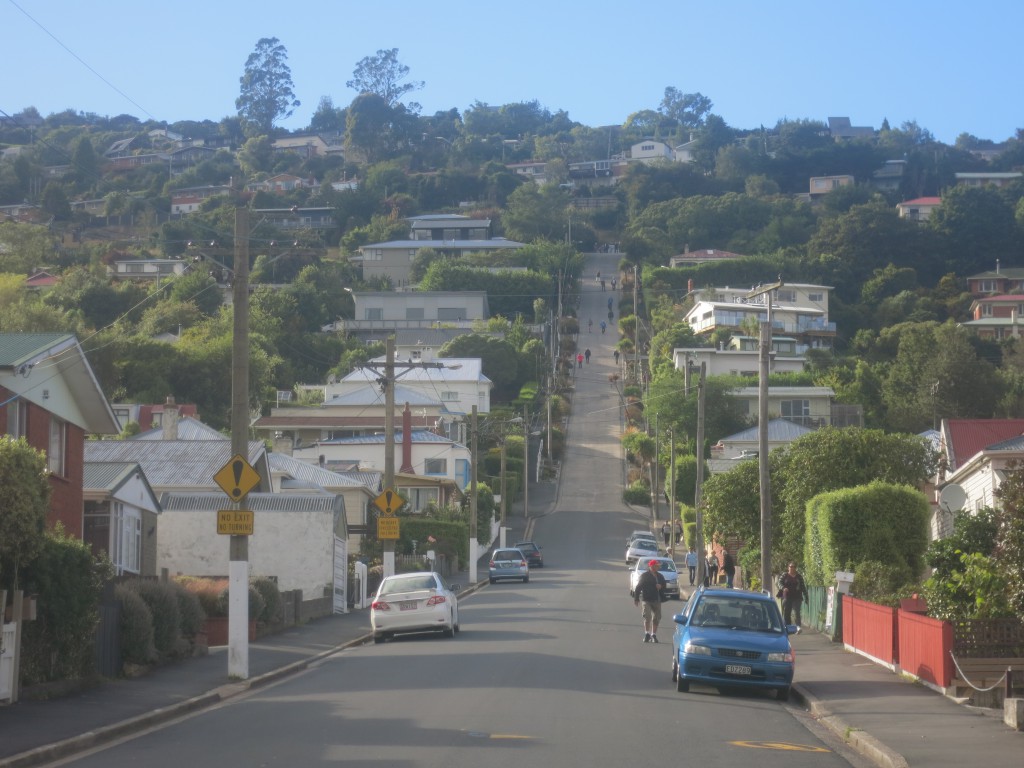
point(728, 568)
point(713, 567)
point(615, 354)
point(613, 283)
point(609, 302)
point(603, 326)
point(691, 564)
point(586, 355)
point(579, 360)
point(679, 532)
point(602, 284)
point(666, 533)
point(792, 592)
point(611, 315)
point(590, 324)
point(650, 588)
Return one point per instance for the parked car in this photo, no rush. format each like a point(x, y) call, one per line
point(534, 558)
point(641, 549)
point(414, 602)
point(732, 638)
point(640, 535)
point(667, 568)
point(508, 564)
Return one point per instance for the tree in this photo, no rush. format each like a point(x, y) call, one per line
point(55, 201)
point(266, 88)
point(327, 118)
point(498, 360)
point(85, 162)
point(687, 110)
point(533, 213)
point(382, 74)
point(1010, 537)
point(24, 502)
point(24, 248)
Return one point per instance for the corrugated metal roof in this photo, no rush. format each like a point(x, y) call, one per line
point(188, 429)
point(779, 430)
point(433, 337)
point(311, 473)
point(965, 438)
point(372, 479)
point(417, 436)
point(470, 369)
point(257, 502)
point(373, 396)
point(107, 475)
point(171, 463)
point(16, 348)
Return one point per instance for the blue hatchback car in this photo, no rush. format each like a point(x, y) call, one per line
point(732, 638)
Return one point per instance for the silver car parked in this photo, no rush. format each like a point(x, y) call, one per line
point(508, 563)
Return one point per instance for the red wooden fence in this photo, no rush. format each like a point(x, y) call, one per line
point(924, 648)
point(871, 630)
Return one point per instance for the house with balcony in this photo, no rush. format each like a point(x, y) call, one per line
point(988, 178)
point(452, 234)
point(809, 407)
point(798, 310)
point(918, 209)
point(741, 357)
point(535, 170)
point(822, 185)
point(52, 399)
point(379, 314)
point(997, 317)
point(311, 218)
point(147, 269)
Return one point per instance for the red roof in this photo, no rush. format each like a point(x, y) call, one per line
point(923, 201)
point(966, 438)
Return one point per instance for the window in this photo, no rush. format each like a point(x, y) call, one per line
point(795, 408)
point(373, 254)
point(986, 286)
point(412, 254)
point(126, 535)
point(647, 148)
point(17, 418)
point(435, 466)
point(450, 313)
point(374, 313)
point(478, 234)
point(414, 313)
point(785, 295)
point(816, 297)
point(419, 498)
point(123, 416)
point(451, 234)
point(55, 450)
point(986, 310)
point(449, 397)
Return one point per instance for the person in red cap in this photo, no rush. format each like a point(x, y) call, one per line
point(649, 588)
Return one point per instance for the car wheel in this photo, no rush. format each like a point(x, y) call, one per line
point(681, 685)
point(448, 631)
point(782, 694)
point(525, 579)
point(457, 629)
point(675, 670)
point(378, 639)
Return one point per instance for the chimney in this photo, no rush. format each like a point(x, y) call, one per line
point(170, 421)
point(997, 266)
point(689, 285)
point(406, 441)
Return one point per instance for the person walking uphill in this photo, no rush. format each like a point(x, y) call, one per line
point(649, 589)
point(792, 592)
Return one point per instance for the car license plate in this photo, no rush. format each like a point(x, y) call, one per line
point(408, 605)
point(737, 669)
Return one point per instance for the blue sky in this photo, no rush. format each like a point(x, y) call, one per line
point(952, 68)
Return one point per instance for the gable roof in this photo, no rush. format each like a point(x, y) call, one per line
point(417, 437)
point(102, 479)
point(779, 430)
point(371, 395)
point(470, 369)
point(188, 429)
point(965, 438)
point(35, 363)
point(175, 463)
point(303, 474)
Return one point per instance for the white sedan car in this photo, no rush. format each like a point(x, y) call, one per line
point(667, 569)
point(641, 549)
point(414, 602)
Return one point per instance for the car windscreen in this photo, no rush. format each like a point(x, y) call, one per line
point(737, 613)
point(527, 547)
point(643, 544)
point(666, 566)
point(507, 554)
point(413, 584)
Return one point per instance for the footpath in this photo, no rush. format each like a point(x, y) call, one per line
point(891, 721)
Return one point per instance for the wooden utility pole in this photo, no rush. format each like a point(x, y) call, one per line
point(762, 431)
point(501, 532)
point(699, 533)
point(238, 565)
point(526, 462)
point(388, 382)
point(672, 509)
point(654, 475)
point(473, 533)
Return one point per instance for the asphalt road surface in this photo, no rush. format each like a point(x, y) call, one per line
point(549, 673)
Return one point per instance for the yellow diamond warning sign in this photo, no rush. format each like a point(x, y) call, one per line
point(389, 502)
point(237, 478)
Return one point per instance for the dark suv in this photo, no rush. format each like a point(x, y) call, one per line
point(532, 553)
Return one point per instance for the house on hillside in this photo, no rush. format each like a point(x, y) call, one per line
point(988, 179)
point(745, 445)
point(840, 128)
point(147, 269)
point(918, 209)
point(822, 185)
point(52, 398)
point(997, 317)
point(798, 310)
point(809, 407)
point(1001, 280)
point(379, 314)
point(741, 358)
point(452, 234)
point(690, 258)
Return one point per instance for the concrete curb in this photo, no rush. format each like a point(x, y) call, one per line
point(861, 741)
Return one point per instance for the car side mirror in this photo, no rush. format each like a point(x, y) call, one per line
point(792, 629)
point(680, 618)
point(455, 587)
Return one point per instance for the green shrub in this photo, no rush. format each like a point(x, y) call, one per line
point(690, 532)
point(208, 591)
point(882, 583)
point(749, 559)
point(68, 582)
point(163, 608)
point(271, 596)
point(638, 494)
point(137, 645)
point(190, 610)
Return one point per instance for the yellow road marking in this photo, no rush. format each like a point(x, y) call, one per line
point(779, 745)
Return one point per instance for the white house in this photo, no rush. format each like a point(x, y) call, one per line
point(651, 150)
point(379, 314)
point(417, 452)
point(746, 444)
point(742, 358)
point(148, 269)
point(807, 406)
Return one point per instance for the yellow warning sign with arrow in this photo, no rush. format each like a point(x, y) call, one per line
point(389, 502)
